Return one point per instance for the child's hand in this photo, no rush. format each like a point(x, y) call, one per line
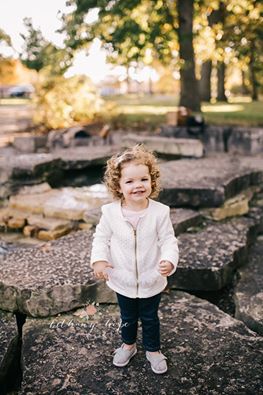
point(165, 268)
point(99, 269)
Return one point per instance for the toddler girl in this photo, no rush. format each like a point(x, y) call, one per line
point(134, 249)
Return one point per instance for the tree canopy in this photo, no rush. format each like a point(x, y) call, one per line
point(4, 37)
point(39, 53)
point(131, 30)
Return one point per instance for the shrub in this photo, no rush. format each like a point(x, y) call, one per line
point(62, 102)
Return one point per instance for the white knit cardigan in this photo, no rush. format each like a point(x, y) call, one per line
point(135, 255)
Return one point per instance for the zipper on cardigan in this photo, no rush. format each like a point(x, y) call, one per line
point(136, 264)
point(135, 250)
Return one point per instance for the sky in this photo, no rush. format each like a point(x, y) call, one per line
point(45, 15)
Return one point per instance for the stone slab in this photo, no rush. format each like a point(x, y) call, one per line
point(54, 210)
point(166, 146)
point(246, 140)
point(248, 294)
point(209, 258)
point(234, 139)
point(208, 182)
point(208, 352)
point(234, 207)
point(47, 279)
point(36, 168)
point(48, 223)
point(79, 157)
point(29, 143)
point(182, 219)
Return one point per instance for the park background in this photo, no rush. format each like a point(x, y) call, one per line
point(132, 62)
point(80, 80)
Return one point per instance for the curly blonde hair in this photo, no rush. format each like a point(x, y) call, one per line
point(139, 155)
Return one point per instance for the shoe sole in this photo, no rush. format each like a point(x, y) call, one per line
point(159, 372)
point(126, 363)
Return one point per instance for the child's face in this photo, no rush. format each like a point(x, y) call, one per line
point(135, 183)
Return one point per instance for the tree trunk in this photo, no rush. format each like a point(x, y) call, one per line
point(244, 88)
point(253, 78)
point(189, 96)
point(205, 81)
point(150, 86)
point(128, 80)
point(221, 82)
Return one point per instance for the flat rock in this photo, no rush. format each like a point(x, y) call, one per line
point(209, 258)
point(79, 157)
point(37, 168)
point(167, 146)
point(53, 212)
point(208, 182)
point(235, 139)
point(248, 294)
point(244, 140)
point(182, 219)
point(236, 206)
point(208, 352)
point(47, 223)
point(48, 279)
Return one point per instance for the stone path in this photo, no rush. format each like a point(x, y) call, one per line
point(209, 351)
point(70, 355)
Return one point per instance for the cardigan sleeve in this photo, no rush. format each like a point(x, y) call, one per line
point(167, 240)
point(100, 250)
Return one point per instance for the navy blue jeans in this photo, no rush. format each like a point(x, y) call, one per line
point(145, 309)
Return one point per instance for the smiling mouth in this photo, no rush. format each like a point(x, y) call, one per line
point(138, 192)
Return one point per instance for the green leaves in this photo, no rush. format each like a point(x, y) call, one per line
point(39, 53)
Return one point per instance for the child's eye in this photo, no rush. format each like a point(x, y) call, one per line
point(127, 182)
point(144, 179)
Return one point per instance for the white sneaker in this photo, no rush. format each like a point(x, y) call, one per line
point(158, 362)
point(122, 357)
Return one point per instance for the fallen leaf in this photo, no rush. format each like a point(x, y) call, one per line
point(91, 309)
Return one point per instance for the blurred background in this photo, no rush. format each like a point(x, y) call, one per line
point(129, 63)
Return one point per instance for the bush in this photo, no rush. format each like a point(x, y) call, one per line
point(62, 102)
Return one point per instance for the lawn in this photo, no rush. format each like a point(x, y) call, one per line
point(149, 111)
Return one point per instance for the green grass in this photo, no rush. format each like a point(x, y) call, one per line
point(149, 112)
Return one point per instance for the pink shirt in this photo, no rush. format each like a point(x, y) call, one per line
point(133, 216)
